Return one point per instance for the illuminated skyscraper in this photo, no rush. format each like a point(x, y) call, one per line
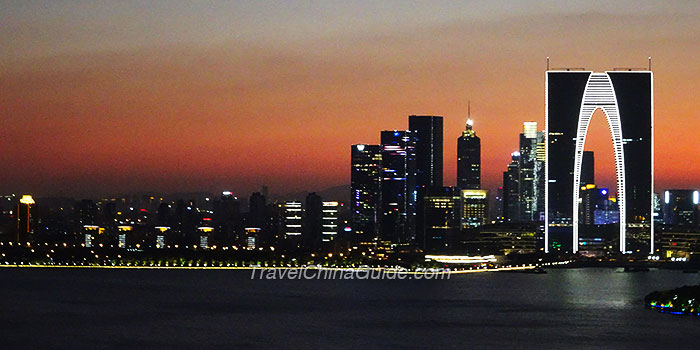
point(427, 133)
point(511, 190)
point(523, 182)
point(398, 194)
point(469, 159)
point(527, 182)
point(365, 187)
point(626, 99)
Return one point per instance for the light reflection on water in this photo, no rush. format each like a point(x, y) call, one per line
point(226, 309)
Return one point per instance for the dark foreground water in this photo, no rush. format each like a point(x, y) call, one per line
point(224, 309)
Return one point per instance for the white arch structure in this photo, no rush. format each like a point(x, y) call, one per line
point(599, 93)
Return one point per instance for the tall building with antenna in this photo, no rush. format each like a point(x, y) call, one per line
point(469, 157)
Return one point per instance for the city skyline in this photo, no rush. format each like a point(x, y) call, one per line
point(153, 112)
point(349, 174)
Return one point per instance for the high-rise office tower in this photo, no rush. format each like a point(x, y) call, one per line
point(469, 158)
point(227, 217)
point(572, 96)
point(427, 133)
point(511, 190)
point(442, 218)
point(398, 189)
point(680, 207)
point(526, 173)
point(523, 182)
point(365, 187)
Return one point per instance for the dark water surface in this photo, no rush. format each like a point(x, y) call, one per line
point(225, 309)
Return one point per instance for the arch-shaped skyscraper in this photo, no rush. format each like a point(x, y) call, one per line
point(626, 98)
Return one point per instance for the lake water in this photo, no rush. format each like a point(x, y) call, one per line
point(225, 309)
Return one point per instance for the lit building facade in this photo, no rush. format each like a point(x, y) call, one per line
point(527, 182)
point(252, 235)
point(680, 208)
point(365, 188)
point(511, 190)
point(398, 188)
point(681, 244)
point(592, 199)
point(329, 221)
point(523, 181)
point(426, 131)
point(475, 204)
point(427, 135)
point(626, 98)
point(292, 219)
point(512, 238)
point(608, 213)
point(441, 218)
point(539, 176)
point(469, 159)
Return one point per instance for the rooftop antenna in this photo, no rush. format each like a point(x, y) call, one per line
point(470, 122)
point(547, 62)
point(650, 63)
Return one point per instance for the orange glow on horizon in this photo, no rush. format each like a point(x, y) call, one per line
point(241, 113)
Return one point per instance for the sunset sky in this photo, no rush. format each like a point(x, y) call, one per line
point(102, 97)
